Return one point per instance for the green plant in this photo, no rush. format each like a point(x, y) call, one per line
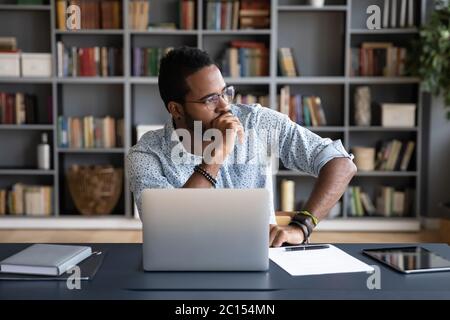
point(430, 58)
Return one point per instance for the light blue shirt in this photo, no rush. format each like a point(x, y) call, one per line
point(269, 135)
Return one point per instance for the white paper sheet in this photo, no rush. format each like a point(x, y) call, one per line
point(319, 261)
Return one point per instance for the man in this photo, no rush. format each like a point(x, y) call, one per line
point(198, 100)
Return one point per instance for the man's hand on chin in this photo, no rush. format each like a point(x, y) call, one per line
point(281, 234)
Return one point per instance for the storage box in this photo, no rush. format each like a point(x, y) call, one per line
point(398, 115)
point(9, 64)
point(36, 65)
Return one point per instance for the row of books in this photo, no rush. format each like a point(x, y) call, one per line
point(237, 14)
point(302, 109)
point(389, 202)
point(378, 59)
point(245, 59)
point(18, 108)
point(94, 61)
point(398, 13)
point(95, 14)
point(286, 63)
point(146, 61)
point(263, 100)
point(22, 199)
point(90, 132)
point(394, 155)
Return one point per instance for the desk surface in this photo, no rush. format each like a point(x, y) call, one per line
point(121, 277)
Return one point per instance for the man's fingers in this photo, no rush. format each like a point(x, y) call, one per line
point(280, 238)
point(272, 235)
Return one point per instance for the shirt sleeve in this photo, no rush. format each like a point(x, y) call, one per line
point(144, 172)
point(297, 147)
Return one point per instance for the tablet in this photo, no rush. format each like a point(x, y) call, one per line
point(410, 259)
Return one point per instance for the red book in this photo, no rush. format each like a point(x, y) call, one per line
point(247, 44)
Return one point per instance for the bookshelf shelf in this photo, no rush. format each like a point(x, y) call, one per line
point(144, 80)
point(91, 150)
point(248, 80)
point(311, 80)
point(385, 31)
point(323, 68)
point(17, 7)
point(326, 129)
point(386, 174)
point(26, 172)
point(236, 32)
point(26, 127)
point(291, 8)
point(381, 129)
point(383, 80)
point(25, 80)
point(91, 32)
point(100, 80)
point(164, 32)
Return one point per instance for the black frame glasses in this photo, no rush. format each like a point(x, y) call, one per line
point(213, 100)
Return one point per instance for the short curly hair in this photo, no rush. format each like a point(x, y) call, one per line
point(175, 67)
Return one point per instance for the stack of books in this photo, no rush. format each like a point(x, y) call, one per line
point(20, 108)
point(105, 14)
point(245, 59)
point(263, 100)
point(389, 202)
point(89, 62)
point(222, 15)
point(304, 110)
point(394, 155)
point(254, 14)
point(146, 61)
point(286, 63)
point(24, 199)
point(378, 59)
point(90, 132)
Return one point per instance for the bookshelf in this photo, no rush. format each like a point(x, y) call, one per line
point(331, 31)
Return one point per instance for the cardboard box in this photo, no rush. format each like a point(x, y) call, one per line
point(9, 64)
point(398, 115)
point(36, 65)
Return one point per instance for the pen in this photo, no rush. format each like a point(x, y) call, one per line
point(309, 247)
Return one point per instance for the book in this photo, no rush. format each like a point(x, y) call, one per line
point(386, 14)
point(394, 14)
point(402, 22)
point(45, 259)
point(88, 270)
point(410, 13)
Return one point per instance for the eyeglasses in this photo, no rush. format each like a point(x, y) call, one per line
point(213, 101)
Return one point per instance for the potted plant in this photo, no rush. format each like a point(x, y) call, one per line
point(430, 58)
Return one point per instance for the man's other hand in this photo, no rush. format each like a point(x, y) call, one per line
point(281, 234)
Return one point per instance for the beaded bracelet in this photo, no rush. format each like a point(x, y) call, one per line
point(205, 174)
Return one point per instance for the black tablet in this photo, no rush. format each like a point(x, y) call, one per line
point(410, 259)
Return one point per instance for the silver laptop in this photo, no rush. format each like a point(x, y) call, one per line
point(205, 229)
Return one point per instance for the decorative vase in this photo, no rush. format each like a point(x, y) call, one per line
point(362, 106)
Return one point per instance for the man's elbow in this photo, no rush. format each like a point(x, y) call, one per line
point(351, 168)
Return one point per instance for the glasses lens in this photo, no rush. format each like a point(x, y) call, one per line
point(212, 101)
point(228, 94)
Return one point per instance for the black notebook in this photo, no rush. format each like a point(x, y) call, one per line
point(88, 269)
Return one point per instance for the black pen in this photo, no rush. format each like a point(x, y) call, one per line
point(309, 247)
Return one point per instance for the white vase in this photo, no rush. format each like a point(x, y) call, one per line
point(317, 3)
